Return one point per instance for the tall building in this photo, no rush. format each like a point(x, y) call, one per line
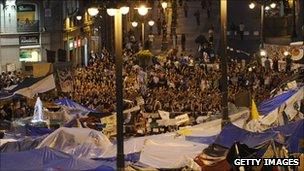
point(22, 33)
point(45, 31)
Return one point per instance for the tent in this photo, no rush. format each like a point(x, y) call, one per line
point(290, 135)
point(278, 111)
point(28, 143)
point(82, 142)
point(73, 107)
point(49, 159)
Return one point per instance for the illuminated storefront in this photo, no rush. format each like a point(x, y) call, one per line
point(29, 48)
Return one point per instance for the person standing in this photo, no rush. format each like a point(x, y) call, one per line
point(241, 30)
point(197, 16)
point(275, 65)
point(211, 35)
point(183, 42)
point(288, 63)
point(267, 64)
point(186, 9)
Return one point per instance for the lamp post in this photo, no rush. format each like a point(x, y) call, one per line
point(263, 8)
point(223, 53)
point(142, 10)
point(117, 13)
point(294, 32)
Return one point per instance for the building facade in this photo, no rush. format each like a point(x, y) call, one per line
point(22, 33)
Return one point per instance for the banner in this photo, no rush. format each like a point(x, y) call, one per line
point(44, 85)
point(65, 80)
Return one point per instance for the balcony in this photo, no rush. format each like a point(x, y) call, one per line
point(28, 26)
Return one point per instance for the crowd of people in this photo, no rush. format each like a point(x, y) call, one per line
point(177, 84)
point(180, 83)
point(8, 79)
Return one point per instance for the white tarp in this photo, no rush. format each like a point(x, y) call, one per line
point(44, 85)
point(73, 140)
point(169, 154)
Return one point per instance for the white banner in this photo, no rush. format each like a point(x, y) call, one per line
point(44, 85)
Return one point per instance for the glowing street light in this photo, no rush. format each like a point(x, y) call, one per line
point(164, 5)
point(124, 10)
point(78, 17)
point(111, 11)
point(267, 8)
point(93, 11)
point(151, 23)
point(273, 5)
point(142, 10)
point(251, 5)
point(134, 24)
point(263, 53)
point(286, 53)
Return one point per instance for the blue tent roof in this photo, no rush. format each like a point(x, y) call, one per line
point(231, 134)
point(294, 132)
point(72, 105)
point(271, 104)
point(48, 159)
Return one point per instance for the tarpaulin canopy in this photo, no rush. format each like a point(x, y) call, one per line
point(48, 159)
point(82, 142)
point(31, 86)
point(294, 133)
point(74, 107)
point(28, 143)
point(232, 133)
point(271, 104)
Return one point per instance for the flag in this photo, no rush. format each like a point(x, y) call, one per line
point(254, 110)
point(37, 86)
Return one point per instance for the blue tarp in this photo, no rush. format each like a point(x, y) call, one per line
point(72, 105)
point(231, 134)
point(294, 132)
point(36, 131)
point(295, 135)
point(271, 104)
point(49, 159)
point(202, 140)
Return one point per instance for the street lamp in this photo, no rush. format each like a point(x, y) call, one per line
point(78, 17)
point(251, 5)
point(142, 10)
point(263, 53)
point(124, 10)
point(111, 12)
point(119, 83)
point(151, 23)
point(134, 24)
point(164, 5)
point(273, 5)
point(267, 8)
point(93, 11)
